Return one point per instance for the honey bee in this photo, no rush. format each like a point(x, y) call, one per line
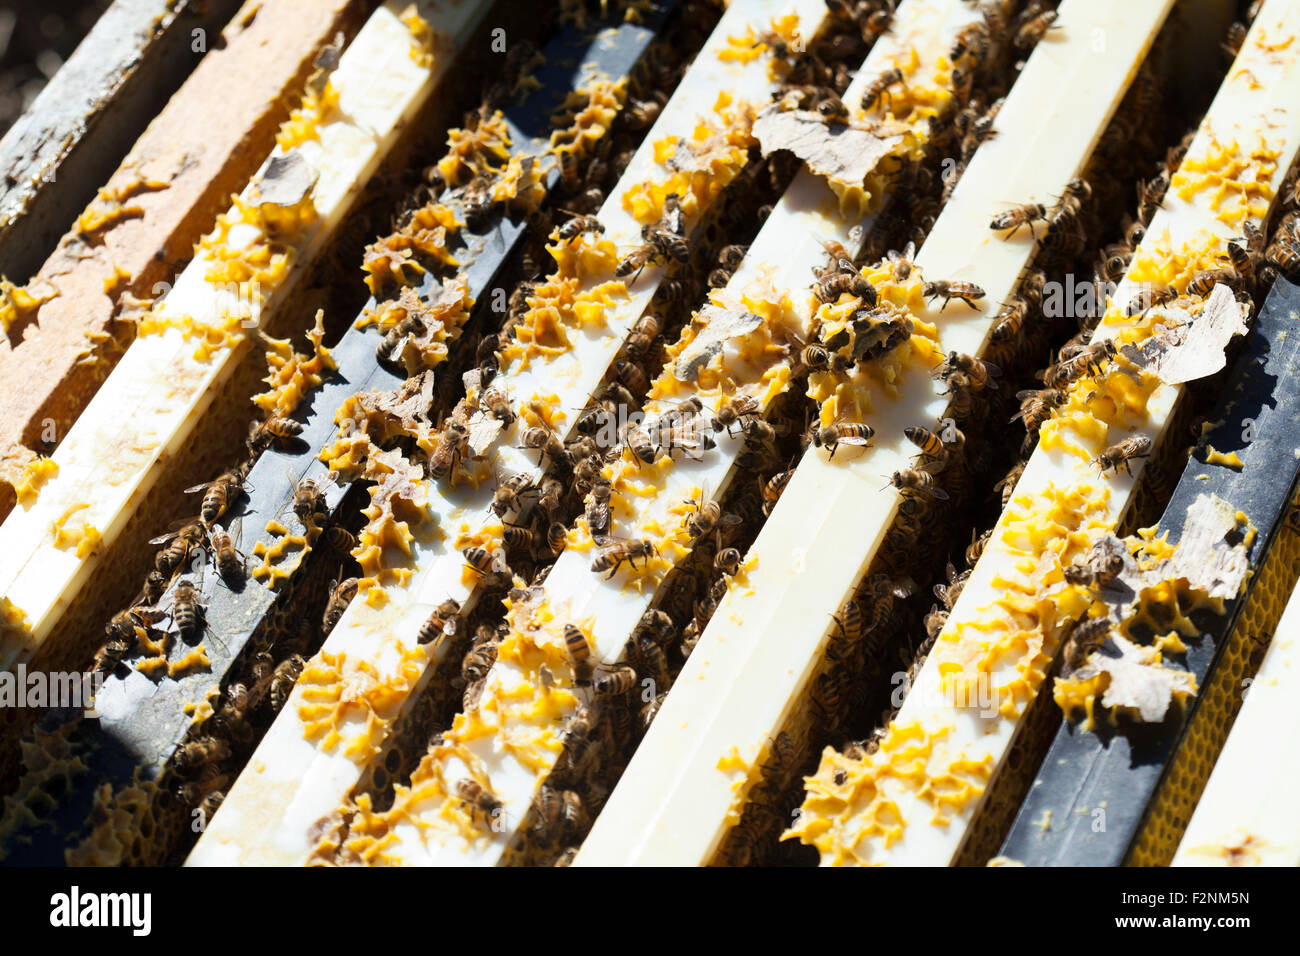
point(614, 681)
point(182, 541)
point(1034, 29)
point(517, 538)
point(771, 489)
point(912, 482)
point(410, 324)
point(1284, 253)
point(972, 40)
point(1023, 215)
point(632, 376)
point(339, 539)
point(642, 446)
point(1007, 486)
point(308, 495)
point(931, 445)
point(641, 114)
point(597, 507)
point(579, 650)
point(734, 411)
point(1122, 452)
point(1090, 360)
point(948, 593)
point(284, 678)
point(1085, 638)
point(690, 438)
point(879, 88)
point(508, 495)
point(448, 451)
point(1242, 257)
point(544, 440)
point(832, 109)
point(557, 537)
point(831, 287)
point(728, 560)
point(278, 428)
point(155, 583)
point(229, 561)
point(484, 561)
point(187, 611)
point(1036, 406)
point(839, 433)
point(341, 595)
point(494, 399)
point(551, 494)
point(559, 814)
point(968, 292)
point(615, 551)
point(579, 224)
point(478, 661)
point(441, 622)
point(977, 546)
point(482, 803)
point(217, 495)
point(634, 262)
point(1010, 320)
point(1151, 196)
point(1099, 571)
point(980, 373)
point(706, 517)
point(1203, 283)
point(204, 750)
point(643, 335)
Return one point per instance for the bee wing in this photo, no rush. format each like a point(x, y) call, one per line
point(853, 440)
point(937, 492)
point(173, 529)
point(731, 520)
point(992, 369)
point(202, 487)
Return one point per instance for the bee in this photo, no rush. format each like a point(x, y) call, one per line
point(632, 375)
point(278, 428)
point(1151, 196)
point(643, 335)
point(155, 583)
point(832, 109)
point(478, 661)
point(551, 494)
point(1034, 29)
point(557, 537)
point(1010, 320)
point(771, 489)
point(732, 256)
point(1203, 282)
point(706, 517)
point(1085, 638)
point(614, 681)
point(734, 411)
point(641, 445)
point(1097, 572)
point(912, 482)
point(968, 292)
point(544, 440)
point(410, 324)
point(597, 507)
point(879, 88)
point(594, 416)
point(559, 813)
point(1007, 486)
point(666, 244)
point(187, 612)
point(931, 445)
point(229, 561)
point(979, 373)
point(831, 287)
point(217, 495)
point(972, 40)
point(484, 561)
point(579, 224)
point(206, 791)
point(481, 802)
point(634, 262)
point(308, 495)
point(182, 541)
point(441, 622)
point(496, 402)
point(1023, 215)
point(509, 494)
point(976, 547)
point(285, 677)
point(832, 436)
point(339, 539)
point(1122, 452)
point(341, 595)
point(1089, 360)
point(1284, 252)
point(650, 710)
point(1242, 259)
point(449, 449)
point(690, 438)
point(934, 621)
point(615, 551)
point(641, 114)
point(205, 750)
point(579, 650)
point(948, 593)
point(1036, 406)
point(728, 560)
point(517, 538)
